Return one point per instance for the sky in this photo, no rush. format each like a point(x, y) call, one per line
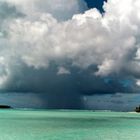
point(70, 53)
point(95, 4)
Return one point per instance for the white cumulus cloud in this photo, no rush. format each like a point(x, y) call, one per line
point(47, 33)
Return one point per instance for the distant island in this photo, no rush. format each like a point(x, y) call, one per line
point(137, 109)
point(5, 107)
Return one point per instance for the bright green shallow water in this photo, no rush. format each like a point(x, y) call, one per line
point(68, 125)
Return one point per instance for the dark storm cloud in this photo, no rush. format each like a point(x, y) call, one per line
point(65, 90)
point(69, 55)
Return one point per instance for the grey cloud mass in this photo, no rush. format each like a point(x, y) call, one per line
point(61, 48)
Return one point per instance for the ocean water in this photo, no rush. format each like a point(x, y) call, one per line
point(68, 125)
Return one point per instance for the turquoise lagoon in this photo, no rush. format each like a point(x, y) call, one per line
point(68, 125)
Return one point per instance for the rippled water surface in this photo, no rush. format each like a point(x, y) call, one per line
point(68, 125)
